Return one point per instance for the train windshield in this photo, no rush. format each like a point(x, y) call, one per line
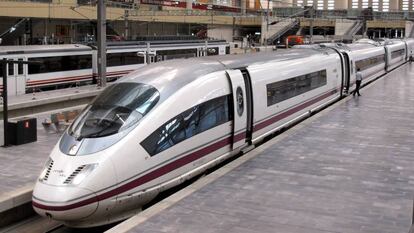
point(118, 107)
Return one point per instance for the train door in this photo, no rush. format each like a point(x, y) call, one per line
point(387, 58)
point(20, 77)
point(16, 82)
point(242, 126)
point(406, 51)
point(347, 71)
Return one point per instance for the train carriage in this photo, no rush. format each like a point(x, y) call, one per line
point(410, 47)
point(287, 87)
point(370, 59)
point(59, 64)
point(396, 53)
point(120, 60)
point(167, 122)
point(67, 65)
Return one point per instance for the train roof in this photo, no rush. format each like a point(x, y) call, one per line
point(361, 46)
point(170, 76)
point(340, 46)
point(161, 42)
point(164, 45)
point(19, 49)
point(245, 60)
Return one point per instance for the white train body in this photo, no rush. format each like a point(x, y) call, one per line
point(169, 121)
point(396, 51)
point(75, 64)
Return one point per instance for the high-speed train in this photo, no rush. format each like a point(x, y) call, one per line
point(159, 126)
point(75, 64)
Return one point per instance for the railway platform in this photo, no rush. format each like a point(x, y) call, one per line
point(20, 165)
point(350, 168)
point(38, 102)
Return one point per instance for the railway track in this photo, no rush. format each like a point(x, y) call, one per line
point(32, 224)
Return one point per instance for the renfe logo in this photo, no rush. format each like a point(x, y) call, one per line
point(26, 124)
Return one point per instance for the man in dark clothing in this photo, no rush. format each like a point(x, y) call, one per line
point(358, 81)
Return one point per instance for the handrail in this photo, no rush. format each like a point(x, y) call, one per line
point(354, 29)
point(349, 14)
point(280, 33)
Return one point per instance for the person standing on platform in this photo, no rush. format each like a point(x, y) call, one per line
point(358, 81)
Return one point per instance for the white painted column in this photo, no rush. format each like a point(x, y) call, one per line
point(394, 5)
point(243, 6)
point(341, 4)
point(284, 3)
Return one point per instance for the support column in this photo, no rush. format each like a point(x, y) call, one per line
point(189, 5)
point(311, 25)
point(101, 43)
point(243, 6)
point(341, 5)
point(126, 25)
point(394, 5)
point(283, 3)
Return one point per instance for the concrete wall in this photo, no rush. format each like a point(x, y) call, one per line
point(220, 32)
point(342, 26)
point(394, 5)
point(341, 4)
point(283, 3)
point(151, 28)
point(60, 11)
point(78, 29)
point(408, 28)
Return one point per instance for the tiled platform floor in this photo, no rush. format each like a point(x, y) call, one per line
point(349, 170)
point(21, 165)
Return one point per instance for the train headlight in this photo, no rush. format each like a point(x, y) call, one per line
point(46, 170)
point(80, 174)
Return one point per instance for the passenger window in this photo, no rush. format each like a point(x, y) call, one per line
point(11, 69)
point(288, 88)
point(370, 62)
point(188, 124)
point(20, 68)
point(58, 64)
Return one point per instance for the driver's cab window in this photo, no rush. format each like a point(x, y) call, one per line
point(118, 107)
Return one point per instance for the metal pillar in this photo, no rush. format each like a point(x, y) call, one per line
point(189, 4)
point(101, 43)
point(311, 26)
point(243, 6)
point(394, 5)
point(147, 54)
point(341, 5)
point(126, 14)
point(5, 103)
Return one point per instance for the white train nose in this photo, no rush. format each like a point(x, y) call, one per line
point(63, 203)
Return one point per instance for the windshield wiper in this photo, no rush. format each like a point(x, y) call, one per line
point(99, 133)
